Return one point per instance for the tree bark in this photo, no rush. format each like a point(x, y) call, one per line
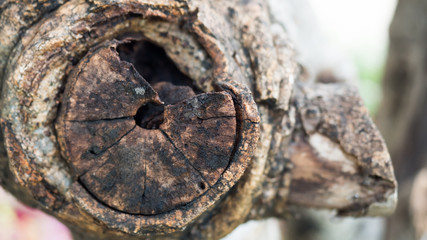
point(117, 141)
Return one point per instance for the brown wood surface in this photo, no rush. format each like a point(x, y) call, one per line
point(135, 167)
point(166, 119)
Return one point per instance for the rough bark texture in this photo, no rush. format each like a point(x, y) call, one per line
point(403, 116)
point(176, 119)
point(341, 168)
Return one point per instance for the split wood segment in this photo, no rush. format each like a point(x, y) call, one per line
point(131, 168)
point(175, 119)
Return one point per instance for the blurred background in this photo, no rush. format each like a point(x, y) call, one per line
point(359, 31)
point(348, 38)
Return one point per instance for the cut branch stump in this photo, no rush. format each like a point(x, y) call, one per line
point(175, 119)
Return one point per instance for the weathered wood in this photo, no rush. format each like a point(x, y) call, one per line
point(330, 170)
point(135, 167)
point(175, 119)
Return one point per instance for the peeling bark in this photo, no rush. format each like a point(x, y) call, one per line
point(344, 176)
point(177, 119)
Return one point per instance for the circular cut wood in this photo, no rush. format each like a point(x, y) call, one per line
point(149, 148)
point(132, 168)
point(136, 119)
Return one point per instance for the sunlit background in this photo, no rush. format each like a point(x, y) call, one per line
point(357, 29)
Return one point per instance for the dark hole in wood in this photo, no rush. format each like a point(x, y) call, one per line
point(202, 185)
point(149, 116)
point(94, 150)
point(153, 64)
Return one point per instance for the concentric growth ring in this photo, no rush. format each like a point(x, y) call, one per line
point(151, 141)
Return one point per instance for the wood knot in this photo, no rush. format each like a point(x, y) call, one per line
point(143, 145)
